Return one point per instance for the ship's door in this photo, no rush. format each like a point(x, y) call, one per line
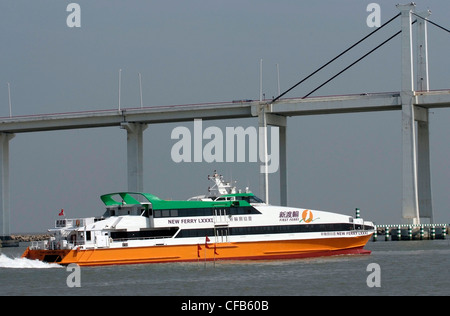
point(221, 220)
point(102, 239)
point(221, 233)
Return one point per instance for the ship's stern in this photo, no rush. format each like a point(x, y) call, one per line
point(45, 255)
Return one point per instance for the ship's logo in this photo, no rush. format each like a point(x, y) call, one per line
point(307, 216)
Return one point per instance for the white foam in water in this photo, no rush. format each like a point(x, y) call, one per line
point(24, 263)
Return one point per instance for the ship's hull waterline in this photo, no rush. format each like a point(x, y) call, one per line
point(257, 250)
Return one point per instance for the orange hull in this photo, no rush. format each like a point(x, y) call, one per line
point(222, 251)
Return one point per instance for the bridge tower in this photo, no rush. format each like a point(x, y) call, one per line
point(416, 196)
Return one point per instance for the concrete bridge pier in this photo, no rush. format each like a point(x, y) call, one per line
point(265, 119)
point(135, 155)
point(4, 186)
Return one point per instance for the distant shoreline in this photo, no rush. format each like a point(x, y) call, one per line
point(30, 237)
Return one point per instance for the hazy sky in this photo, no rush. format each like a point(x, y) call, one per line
point(205, 51)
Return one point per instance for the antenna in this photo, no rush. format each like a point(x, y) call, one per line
point(120, 74)
point(9, 100)
point(260, 80)
point(278, 78)
point(140, 87)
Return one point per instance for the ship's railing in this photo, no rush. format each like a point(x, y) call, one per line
point(73, 222)
point(54, 244)
point(36, 245)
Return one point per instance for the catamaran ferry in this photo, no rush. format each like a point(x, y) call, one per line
point(225, 224)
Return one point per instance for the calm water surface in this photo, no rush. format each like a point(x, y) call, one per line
point(406, 268)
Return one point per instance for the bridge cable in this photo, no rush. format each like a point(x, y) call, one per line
point(329, 62)
point(355, 62)
point(435, 24)
point(352, 64)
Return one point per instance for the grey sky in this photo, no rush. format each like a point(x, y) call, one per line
point(206, 51)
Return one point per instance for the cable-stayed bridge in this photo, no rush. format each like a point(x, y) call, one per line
point(414, 101)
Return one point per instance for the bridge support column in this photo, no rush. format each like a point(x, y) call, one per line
point(424, 170)
point(265, 119)
point(135, 155)
point(263, 173)
point(410, 203)
point(4, 184)
point(417, 197)
point(423, 136)
point(283, 164)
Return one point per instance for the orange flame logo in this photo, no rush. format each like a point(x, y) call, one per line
point(307, 216)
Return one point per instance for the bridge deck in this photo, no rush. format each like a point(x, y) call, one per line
point(354, 103)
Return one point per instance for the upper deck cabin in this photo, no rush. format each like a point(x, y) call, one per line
point(128, 203)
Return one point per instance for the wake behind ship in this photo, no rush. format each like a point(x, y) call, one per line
point(224, 225)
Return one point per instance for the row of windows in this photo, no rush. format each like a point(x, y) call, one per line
point(250, 230)
point(208, 211)
point(127, 211)
point(161, 233)
point(277, 229)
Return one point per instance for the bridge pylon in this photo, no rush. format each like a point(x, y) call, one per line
point(416, 195)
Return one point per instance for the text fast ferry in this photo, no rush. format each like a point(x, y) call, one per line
point(225, 226)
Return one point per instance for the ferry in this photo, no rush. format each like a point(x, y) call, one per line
point(225, 224)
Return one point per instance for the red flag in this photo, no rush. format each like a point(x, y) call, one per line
point(61, 213)
point(198, 250)
point(206, 242)
point(215, 250)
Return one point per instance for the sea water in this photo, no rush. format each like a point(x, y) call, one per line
point(405, 268)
